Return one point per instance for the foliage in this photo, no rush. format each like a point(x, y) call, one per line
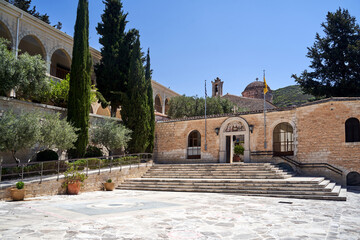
point(56, 133)
point(72, 175)
point(112, 71)
point(135, 112)
point(20, 185)
point(290, 96)
point(18, 132)
point(110, 134)
point(25, 6)
point(32, 78)
point(109, 180)
point(95, 163)
point(46, 155)
point(92, 151)
point(79, 92)
point(239, 150)
point(183, 106)
point(335, 59)
point(8, 76)
point(26, 74)
point(148, 72)
point(27, 130)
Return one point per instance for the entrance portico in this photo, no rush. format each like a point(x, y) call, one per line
point(234, 128)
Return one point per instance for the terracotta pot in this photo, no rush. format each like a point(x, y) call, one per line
point(109, 186)
point(73, 188)
point(17, 194)
point(236, 158)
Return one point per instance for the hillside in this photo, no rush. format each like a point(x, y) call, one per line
point(290, 95)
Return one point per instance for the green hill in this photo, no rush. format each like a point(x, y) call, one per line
point(289, 96)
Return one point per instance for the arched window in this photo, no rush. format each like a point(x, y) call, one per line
point(352, 130)
point(283, 140)
point(194, 145)
point(158, 105)
point(60, 64)
point(32, 45)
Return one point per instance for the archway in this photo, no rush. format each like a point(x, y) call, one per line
point(32, 45)
point(167, 105)
point(234, 131)
point(353, 179)
point(158, 105)
point(283, 140)
point(5, 33)
point(60, 64)
point(194, 145)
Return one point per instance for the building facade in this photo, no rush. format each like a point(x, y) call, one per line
point(307, 138)
point(29, 34)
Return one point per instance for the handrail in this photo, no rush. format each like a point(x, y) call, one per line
point(59, 166)
point(300, 164)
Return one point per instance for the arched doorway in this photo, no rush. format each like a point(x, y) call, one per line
point(234, 131)
point(158, 105)
point(32, 45)
point(283, 140)
point(60, 64)
point(5, 33)
point(353, 179)
point(194, 145)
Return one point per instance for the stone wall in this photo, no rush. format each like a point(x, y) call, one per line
point(318, 135)
point(94, 182)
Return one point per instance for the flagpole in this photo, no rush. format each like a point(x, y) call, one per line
point(205, 117)
point(265, 87)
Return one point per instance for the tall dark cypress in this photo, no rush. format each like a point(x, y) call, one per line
point(80, 82)
point(151, 117)
point(135, 110)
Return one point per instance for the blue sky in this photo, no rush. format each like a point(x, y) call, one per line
point(195, 40)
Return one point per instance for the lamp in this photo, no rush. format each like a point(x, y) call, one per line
point(217, 131)
point(251, 127)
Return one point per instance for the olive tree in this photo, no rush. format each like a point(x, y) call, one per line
point(111, 134)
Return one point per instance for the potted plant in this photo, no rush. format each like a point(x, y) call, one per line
point(238, 150)
point(73, 180)
point(18, 193)
point(109, 185)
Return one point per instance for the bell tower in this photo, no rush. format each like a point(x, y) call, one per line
point(217, 87)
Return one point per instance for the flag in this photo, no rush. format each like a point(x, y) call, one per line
point(265, 86)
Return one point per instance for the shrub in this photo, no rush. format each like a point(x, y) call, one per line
point(92, 151)
point(109, 180)
point(20, 185)
point(72, 175)
point(239, 149)
point(47, 155)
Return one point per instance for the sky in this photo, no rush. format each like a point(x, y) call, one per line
point(192, 41)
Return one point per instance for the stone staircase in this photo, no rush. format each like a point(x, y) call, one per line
point(250, 179)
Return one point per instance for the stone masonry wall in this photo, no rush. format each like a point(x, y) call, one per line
point(94, 182)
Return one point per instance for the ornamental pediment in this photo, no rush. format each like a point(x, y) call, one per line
point(234, 127)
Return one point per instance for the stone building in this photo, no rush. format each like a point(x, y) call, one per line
point(318, 138)
point(29, 34)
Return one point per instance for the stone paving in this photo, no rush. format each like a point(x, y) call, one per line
point(126, 214)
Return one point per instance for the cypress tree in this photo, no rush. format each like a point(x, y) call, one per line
point(79, 92)
point(112, 71)
point(135, 110)
point(148, 72)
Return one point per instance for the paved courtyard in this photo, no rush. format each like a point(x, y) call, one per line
point(171, 215)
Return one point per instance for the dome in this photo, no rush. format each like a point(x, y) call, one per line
point(256, 90)
point(255, 85)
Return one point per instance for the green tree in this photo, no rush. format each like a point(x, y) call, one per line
point(183, 106)
point(112, 71)
point(135, 111)
point(149, 93)
point(335, 59)
point(8, 76)
point(110, 134)
point(79, 92)
point(18, 132)
point(56, 133)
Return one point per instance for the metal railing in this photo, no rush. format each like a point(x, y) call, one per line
point(58, 167)
point(300, 164)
